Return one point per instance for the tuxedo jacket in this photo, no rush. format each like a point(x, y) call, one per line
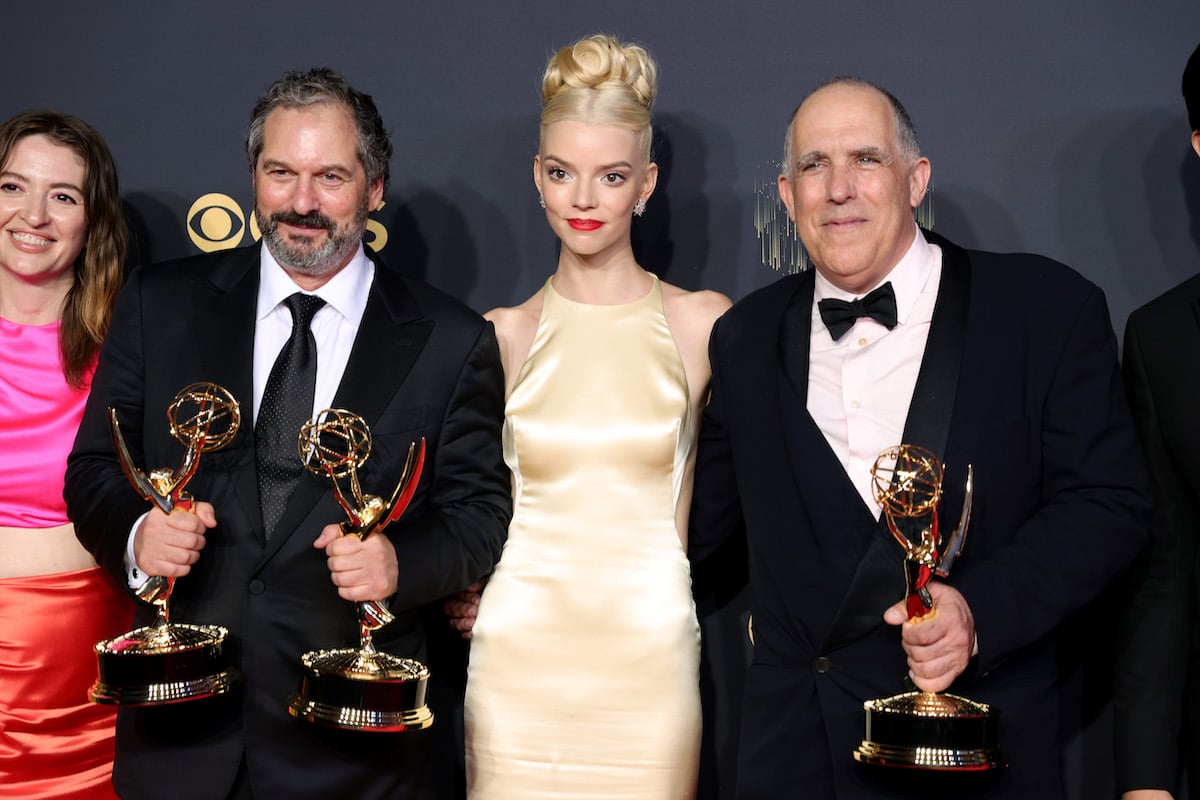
point(422, 365)
point(1157, 639)
point(1019, 379)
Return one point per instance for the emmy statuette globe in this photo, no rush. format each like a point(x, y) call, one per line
point(169, 662)
point(360, 689)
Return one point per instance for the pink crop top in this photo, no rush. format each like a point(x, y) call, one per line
point(39, 414)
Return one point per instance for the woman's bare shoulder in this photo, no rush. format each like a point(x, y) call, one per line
point(696, 309)
point(516, 321)
point(515, 328)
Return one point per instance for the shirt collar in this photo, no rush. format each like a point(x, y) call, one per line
point(346, 292)
point(908, 278)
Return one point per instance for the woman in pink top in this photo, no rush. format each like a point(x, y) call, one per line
point(62, 251)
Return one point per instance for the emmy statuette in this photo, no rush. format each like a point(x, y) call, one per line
point(360, 689)
point(924, 730)
point(168, 662)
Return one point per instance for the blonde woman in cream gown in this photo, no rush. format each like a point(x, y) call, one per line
point(583, 677)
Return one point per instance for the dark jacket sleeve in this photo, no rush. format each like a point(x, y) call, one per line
point(716, 507)
point(1086, 511)
point(459, 538)
point(1152, 641)
point(100, 501)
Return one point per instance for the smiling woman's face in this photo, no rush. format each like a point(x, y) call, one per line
point(42, 212)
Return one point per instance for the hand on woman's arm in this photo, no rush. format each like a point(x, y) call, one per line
point(462, 607)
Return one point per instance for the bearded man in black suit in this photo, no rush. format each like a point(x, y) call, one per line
point(1003, 362)
point(268, 563)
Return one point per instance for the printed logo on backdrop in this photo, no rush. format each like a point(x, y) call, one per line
point(779, 245)
point(216, 222)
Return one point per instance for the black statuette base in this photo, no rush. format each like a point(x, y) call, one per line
point(919, 730)
point(163, 664)
point(359, 691)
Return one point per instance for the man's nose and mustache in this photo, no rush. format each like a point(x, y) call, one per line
point(313, 219)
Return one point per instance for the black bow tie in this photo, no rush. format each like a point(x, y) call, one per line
point(839, 315)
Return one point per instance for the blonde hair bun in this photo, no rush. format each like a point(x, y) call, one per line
point(601, 62)
point(600, 81)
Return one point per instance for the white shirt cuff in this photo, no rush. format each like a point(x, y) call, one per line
point(134, 576)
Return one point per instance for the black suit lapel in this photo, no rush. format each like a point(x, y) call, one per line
point(796, 334)
point(223, 308)
point(879, 576)
point(932, 407)
point(818, 472)
point(829, 499)
point(389, 339)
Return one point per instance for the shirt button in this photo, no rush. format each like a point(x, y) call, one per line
point(855, 404)
point(257, 586)
point(862, 342)
point(822, 665)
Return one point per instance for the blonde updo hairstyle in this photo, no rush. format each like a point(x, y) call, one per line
point(600, 81)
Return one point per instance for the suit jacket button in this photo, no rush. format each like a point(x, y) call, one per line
point(822, 665)
point(257, 586)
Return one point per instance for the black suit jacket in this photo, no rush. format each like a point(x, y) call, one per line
point(422, 365)
point(1019, 379)
point(1158, 635)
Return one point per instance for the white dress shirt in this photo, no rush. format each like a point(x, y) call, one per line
point(860, 387)
point(334, 327)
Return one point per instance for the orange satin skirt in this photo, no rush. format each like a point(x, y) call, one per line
point(53, 741)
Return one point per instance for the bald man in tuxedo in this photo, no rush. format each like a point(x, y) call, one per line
point(1006, 363)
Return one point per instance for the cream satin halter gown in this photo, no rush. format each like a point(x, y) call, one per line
point(583, 679)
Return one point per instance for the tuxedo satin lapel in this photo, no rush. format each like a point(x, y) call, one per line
point(223, 309)
point(879, 580)
point(811, 456)
point(389, 339)
point(822, 481)
point(795, 334)
point(932, 407)
point(833, 527)
point(819, 475)
point(837, 527)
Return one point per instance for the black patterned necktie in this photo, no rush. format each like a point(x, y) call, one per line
point(839, 316)
point(287, 403)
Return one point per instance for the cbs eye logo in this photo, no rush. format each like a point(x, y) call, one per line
point(216, 222)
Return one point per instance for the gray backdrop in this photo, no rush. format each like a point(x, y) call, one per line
point(1052, 127)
